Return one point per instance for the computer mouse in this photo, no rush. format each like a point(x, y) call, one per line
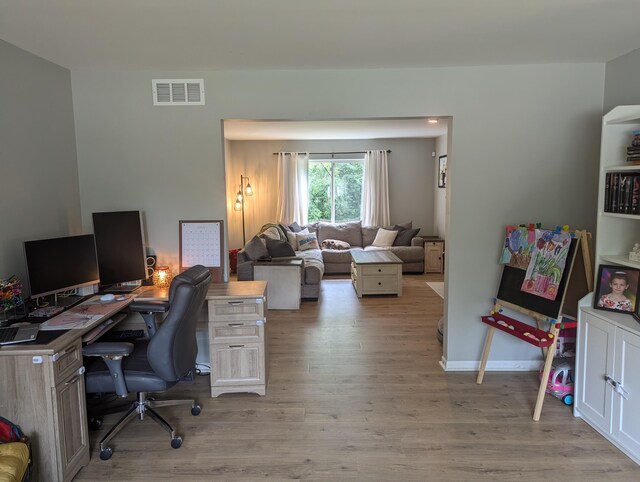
point(108, 297)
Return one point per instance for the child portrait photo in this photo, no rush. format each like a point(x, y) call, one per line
point(617, 289)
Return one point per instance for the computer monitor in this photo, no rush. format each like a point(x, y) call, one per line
point(61, 264)
point(120, 248)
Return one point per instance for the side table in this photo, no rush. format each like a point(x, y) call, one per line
point(284, 280)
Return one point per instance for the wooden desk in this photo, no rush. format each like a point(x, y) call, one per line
point(43, 392)
point(236, 326)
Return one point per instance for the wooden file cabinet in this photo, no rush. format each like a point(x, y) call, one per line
point(45, 393)
point(237, 345)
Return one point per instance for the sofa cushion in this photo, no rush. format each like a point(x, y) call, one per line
point(384, 237)
point(348, 232)
point(256, 248)
point(408, 225)
point(405, 236)
point(338, 256)
point(408, 254)
point(369, 234)
point(307, 241)
point(279, 249)
point(311, 227)
point(295, 227)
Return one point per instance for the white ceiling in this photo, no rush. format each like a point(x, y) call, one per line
point(303, 34)
point(239, 129)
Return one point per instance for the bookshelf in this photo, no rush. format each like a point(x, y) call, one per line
point(607, 381)
point(617, 232)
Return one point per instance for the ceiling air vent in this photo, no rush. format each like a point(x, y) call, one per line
point(178, 91)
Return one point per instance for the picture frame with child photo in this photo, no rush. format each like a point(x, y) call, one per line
point(617, 289)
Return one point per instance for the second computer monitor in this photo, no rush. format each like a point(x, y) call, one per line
point(120, 247)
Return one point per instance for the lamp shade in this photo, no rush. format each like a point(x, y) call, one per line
point(162, 277)
point(248, 190)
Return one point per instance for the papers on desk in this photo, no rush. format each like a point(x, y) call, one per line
point(85, 314)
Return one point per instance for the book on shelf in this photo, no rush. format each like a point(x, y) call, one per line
point(635, 195)
point(615, 179)
point(607, 193)
point(622, 193)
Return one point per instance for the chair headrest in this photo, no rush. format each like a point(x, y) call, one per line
point(194, 275)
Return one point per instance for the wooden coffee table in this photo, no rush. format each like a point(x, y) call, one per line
point(376, 273)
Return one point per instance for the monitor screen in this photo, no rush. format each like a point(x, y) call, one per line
point(60, 264)
point(120, 247)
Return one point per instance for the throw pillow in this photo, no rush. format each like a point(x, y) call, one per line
point(295, 227)
point(256, 248)
point(334, 244)
point(405, 236)
point(279, 249)
point(307, 241)
point(384, 238)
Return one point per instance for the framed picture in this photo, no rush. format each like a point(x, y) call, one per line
point(442, 171)
point(617, 289)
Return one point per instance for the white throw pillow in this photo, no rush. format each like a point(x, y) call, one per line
point(291, 237)
point(307, 241)
point(384, 238)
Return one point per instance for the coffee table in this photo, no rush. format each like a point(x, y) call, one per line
point(376, 273)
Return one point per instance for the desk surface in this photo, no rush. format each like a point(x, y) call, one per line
point(106, 310)
point(233, 289)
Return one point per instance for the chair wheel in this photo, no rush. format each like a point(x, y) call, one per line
point(106, 453)
point(95, 423)
point(176, 443)
point(195, 410)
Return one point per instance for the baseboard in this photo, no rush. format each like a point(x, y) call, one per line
point(495, 366)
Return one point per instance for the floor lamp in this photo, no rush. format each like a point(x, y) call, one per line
point(239, 205)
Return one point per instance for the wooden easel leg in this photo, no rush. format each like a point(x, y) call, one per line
point(545, 373)
point(485, 354)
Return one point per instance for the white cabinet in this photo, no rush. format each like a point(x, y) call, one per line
point(608, 377)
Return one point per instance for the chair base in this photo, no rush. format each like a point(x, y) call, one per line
point(141, 406)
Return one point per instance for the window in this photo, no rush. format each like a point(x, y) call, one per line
point(335, 190)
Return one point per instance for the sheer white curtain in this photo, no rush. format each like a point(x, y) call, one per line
point(293, 198)
point(375, 190)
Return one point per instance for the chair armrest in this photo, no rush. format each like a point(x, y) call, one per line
point(112, 354)
point(106, 348)
point(149, 306)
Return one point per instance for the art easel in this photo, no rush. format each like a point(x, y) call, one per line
point(577, 281)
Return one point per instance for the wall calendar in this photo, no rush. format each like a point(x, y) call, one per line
point(201, 242)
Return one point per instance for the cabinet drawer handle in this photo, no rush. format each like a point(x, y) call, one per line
point(379, 283)
point(379, 270)
point(236, 346)
point(72, 381)
point(235, 302)
point(235, 324)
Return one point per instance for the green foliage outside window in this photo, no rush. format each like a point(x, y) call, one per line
point(347, 193)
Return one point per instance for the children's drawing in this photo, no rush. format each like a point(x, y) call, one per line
point(547, 264)
point(518, 245)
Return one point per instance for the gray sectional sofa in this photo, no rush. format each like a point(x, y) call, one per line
point(318, 262)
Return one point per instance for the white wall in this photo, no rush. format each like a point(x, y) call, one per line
point(622, 79)
point(440, 193)
point(39, 194)
point(525, 149)
point(410, 179)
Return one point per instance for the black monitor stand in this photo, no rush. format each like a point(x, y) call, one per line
point(128, 287)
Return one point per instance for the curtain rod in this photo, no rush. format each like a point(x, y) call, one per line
point(332, 153)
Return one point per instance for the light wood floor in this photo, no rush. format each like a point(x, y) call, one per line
point(355, 392)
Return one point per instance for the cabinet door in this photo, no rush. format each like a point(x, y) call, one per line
point(596, 345)
point(71, 431)
point(433, 257)
point(626, 407)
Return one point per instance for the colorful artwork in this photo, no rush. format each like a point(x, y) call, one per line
point(518, 246)
point(547, 264)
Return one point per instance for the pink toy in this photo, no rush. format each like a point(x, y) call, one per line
point(560, 383)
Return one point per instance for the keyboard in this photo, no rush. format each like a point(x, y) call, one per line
point(7, 334)
point(115, 335)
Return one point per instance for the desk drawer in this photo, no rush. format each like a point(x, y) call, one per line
point(237, 309)
point(380, 269)
point(236, 331)
point(380, 284)
point(66, 362)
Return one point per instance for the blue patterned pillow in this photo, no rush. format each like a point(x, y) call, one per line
point(307, 241)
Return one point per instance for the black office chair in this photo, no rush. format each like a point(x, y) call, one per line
point(153, 365)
